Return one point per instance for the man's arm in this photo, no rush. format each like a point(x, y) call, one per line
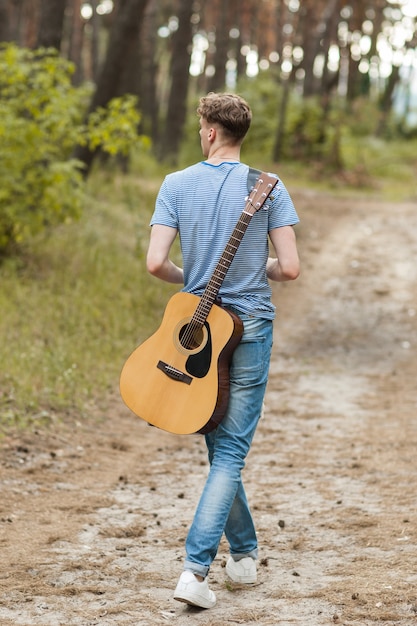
point(286, 266)
point(158, 262)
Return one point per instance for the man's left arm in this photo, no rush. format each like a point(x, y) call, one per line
point(158, 262)
point(286, 265)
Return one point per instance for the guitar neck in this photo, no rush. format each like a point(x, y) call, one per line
point(213, 286)
point(256, 199)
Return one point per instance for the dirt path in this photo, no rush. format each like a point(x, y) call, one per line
point(93, 517)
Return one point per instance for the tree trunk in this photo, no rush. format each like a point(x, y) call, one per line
point(331, 20)
point(308, 28)
point(282, 117)
point(76, 42)
point(51, 24)
point(11, 20)
point(386, 101)
point(218, 80)
point(148, 73)
point(5, 21)
point(180, 65)
point(355, 79)
point(95, 31)
point(123, 35)
point(19, 22)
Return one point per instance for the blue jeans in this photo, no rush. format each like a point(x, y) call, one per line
point(223, 507)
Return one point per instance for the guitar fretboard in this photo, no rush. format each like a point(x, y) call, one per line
point(257, 197)
point(213, 286)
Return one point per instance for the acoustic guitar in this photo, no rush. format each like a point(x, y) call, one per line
point(178, 379)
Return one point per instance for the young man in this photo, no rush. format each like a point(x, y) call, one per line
point(203, 204)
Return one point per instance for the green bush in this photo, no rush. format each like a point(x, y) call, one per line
point(73, 306)
point(306, 135)
point(41, 121)
point(264, 96)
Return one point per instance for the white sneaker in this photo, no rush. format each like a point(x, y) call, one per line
point(243, 571)
point(192, 591)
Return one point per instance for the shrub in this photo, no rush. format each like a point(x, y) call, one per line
point(41, 121)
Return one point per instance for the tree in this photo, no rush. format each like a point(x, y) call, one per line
point(325, 49)
point(5, 34)
point(218, 80)
point(123, 37)
point(292, 20)
point(148, 70)
point(76, 40)
point(51, 24)
point(41, 119)
point(180, 64)
point(356, 20)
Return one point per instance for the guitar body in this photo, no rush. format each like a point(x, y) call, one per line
point(180, 389)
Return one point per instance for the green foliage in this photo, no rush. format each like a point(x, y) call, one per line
point(39, 117)
point(305, 129)
point(41, 122)
point(337, 148)
point(113, 129)
point(73, 306)
point(264, 96)
point(306, 134)
point(317, 137)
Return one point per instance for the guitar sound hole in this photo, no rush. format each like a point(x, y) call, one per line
point(191, 338)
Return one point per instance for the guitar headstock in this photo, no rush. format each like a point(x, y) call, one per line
point(261, 191)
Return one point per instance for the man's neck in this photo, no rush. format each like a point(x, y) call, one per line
point(224, 153)
point(215, 160)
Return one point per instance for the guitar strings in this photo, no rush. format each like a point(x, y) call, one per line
point(189, 338)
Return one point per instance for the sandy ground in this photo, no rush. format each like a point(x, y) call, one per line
point(93, 516)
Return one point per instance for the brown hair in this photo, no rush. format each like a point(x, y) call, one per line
point(229, 110)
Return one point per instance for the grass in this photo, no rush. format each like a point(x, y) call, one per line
point(390, 167)
point(372, 167)
point(75, 303)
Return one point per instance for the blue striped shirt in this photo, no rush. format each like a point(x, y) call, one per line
point(204, 202)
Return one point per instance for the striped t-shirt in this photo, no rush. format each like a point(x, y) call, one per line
point(204, 202)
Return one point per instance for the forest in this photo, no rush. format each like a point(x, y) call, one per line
point(316, 63)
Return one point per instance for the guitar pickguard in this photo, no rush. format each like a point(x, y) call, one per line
point(198, 364)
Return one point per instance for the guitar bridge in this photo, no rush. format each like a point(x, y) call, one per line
point(174, 373)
